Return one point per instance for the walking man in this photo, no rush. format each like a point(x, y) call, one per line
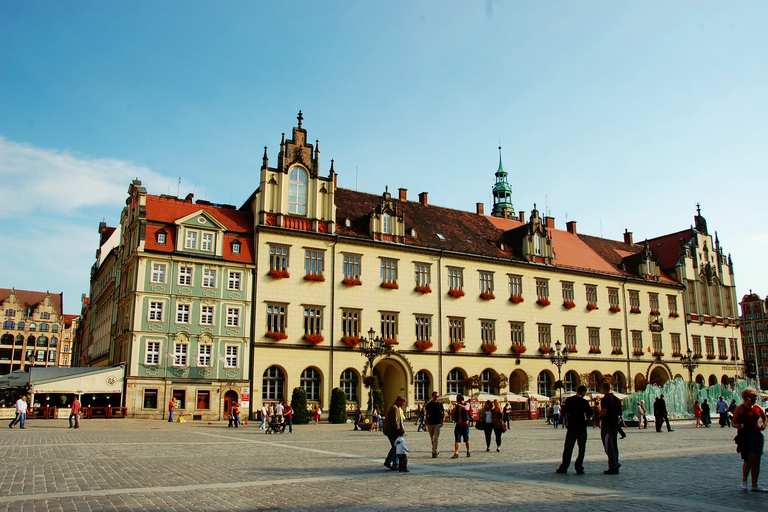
point(661, 414)
point(722, 409)
point(263, 424)
point(21, 413)
point(642, 421)
point(577, 412)
point(393, 422)
point(610, 412)
point(170, 411)
point(435, 413)
point(288, 415)
point(75, 413)
point(461, 416)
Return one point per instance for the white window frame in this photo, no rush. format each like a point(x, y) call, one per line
point(206, 315)
point(206, 242)
point(209, 278)
point(233, 316)
point(180, 354)
point(161, 237)
point(204, 355)
point(423, 325)
point(234, 280)
point(185, 276)
point(297, 191)
point(152, 353)
point(182, 313)
point(158, 273)
point(231, 356)
point(455, 278)
point(190, 240)
point(155, 311)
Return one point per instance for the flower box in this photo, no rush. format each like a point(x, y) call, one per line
point(614, 309)
point(423, 289)
point(710, 356)
point(388, 285)
point(278, 274)
point(277, 336)
point(314, 277)
point(543, 302)
point(634, 311)
point(655, 312)
point(517, 349)
point(488, 348)
point(674, 314)
point(516, 299)
point(390, 341)
point(569, 304)
point(723, 356)
point(594, 350)
point(487, 296)
point(677, 354)
point(637, 352)
point(572, 350)
point(456, 293)
point(455, 346)
point(617, 352)
point(658, 353)
point(591, 307)
point(545, 350)
point(313, 339)
point(350, 341)
point(423, 345)
point(351, 282)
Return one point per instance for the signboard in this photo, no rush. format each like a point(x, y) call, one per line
point(534, 405)
point(245, 398)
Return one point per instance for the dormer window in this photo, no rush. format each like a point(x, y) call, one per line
point(191, 241)
point(297, 191)
point(537, 244)
point(206, 242)
point(235, 247)
point(386, 224)
point(161, 237)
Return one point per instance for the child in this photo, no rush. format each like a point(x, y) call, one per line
point(401, 449)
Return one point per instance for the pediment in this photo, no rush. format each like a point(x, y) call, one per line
point(200, 219)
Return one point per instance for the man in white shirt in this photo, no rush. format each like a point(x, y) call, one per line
point(263, 417)
point(21, 413)
point(279, 412)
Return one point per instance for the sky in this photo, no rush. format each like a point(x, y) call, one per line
point(618, 115)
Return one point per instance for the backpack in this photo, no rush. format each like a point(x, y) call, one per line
point(461, 415)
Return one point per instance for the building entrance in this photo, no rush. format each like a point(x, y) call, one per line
point(393, 380)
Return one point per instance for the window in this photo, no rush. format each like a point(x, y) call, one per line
point(716, 298)
point(696, 340)
point(453, 381)
point(45, 315)
point(203, 399)
point(155, 312)
point(185, 276)
point(51, 356)
point(423, 274)
point(544, 384)
point(313, 262)
point(386, 223)
point(487, 332)
point(486, 384)
point(455, 329)
point(593, 334)
point(721, 348)
point(421, 386)
point(653, 303)
point(486, 282)
point(571, 381)
point(516, 333)
point(704, 301)
point(515, 286)
point(351, 266)
point(54, 328)
point(542, 289)
point(206, 242)
point(691, 287)
point(591, 295)
point(569, 336)
point(10, 312)
point(204, 358)
point(230, 356)
point(44, 327)
point(545, 336)
point(150, 399)
point(672, 305)
point(313, 320)
point(637, 342)
point(32, 327)
point(20, 326)
point(349, 383)
point(727, 302)
point(161, 238)
point(181, 396)
point(568, 296)
point(388, 271)
point(152, 356)
point(350, 322)
point(65, 361)
point(675, 341)
point(423, 327)
point(206, 315)
point(209, 278)
point(191, 241)
point(710, 346)
point(158, 273)
point(182, 313)
point(276, 317)
point(278, 257)
point(634, 301)
point(233, 317)
point(180, 354)
point(734, 342)
point(389, 325)
point(613, 298)
point(455, 278)
point(236, 247)
point(310, 381)
point(297, 191)
point(54, 341)
point(233, 283)
point(9, 324)
point(656, 342)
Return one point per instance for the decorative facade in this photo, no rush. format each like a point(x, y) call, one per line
point(754, 334)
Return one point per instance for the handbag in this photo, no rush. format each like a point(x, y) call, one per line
point(503, 427)
point(480, 424)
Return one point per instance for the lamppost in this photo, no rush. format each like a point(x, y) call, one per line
point(371, 348)
point(558, 359)
point(689, 362)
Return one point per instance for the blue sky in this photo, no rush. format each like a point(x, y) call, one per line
point(619, 115)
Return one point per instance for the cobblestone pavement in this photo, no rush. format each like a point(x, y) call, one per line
point(122, 465)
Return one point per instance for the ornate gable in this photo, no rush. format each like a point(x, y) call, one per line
point(387, 222)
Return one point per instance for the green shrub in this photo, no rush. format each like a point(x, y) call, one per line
point(299, 406)
point(338, 409)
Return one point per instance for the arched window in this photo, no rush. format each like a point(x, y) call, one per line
point(55, 328)
point(54, 341)
point(571, 381)
point(272, 384)
point(7, 339)
point(486, 384)
point(31, 341)
point(310, 381)
point(9, 324)
point(297, 191)
point(349, 383)
point(421, 386)
point(43, 327)
point(544, 383)
point(712, 380)
point(19, 339)
point(619, 383)
point(20, 326)
point(386, 223)
point(596, 382)
point(700, 379)
point(32, 327)
point(453, 382)
point(42, 341)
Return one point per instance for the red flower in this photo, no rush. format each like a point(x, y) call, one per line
point(390, 341)
point(545, 350)
point(617, 352)
point(543, 302)
point(423, 345)
point(591, 307)
point(572, 350)
point(456, 293)
point(351, 282)
point(388, 285)
point(634, 310)
point(614, 309)
point(488, 348)
point(455, 346)
point(314, 277)
point(275, 335)
point(674, 314)
point(278, 274)
point(637, 352)
point(516, 299)
point(569, 304)
point(593, 350)
point(487, 296)
point(423, 289)
point(518, 349)
point(313, 339)
point(350, 341)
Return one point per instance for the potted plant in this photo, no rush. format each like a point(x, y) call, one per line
point(591, 306)
point(517, 349)
point(313, 339)
point(569, 304)
point(388, 285)
point(423, 345)
point(594, 350)
point(278, 274)
point(455, 346)
point(423, 289)
point(614, 309)
point(543, 302)
point(545, 350)
point(350, 341)
point(455, 293)
point(487, 296)
point(516, 299)
point(488, 348)
point(314, 277)
point(276, 335)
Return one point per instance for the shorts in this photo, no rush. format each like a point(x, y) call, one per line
point(461, 431)
point(755, 442)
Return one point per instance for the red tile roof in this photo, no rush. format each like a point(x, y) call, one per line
point(30, 299)
point(668, 247)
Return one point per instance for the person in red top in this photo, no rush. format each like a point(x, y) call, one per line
point(170, 411)
point(749, 418)
point(288, 415)
point(75, 413)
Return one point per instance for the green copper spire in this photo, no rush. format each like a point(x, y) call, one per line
point(502, 192)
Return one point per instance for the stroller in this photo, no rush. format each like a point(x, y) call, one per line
point(276, 425)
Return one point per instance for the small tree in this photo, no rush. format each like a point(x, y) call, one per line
point(498, 381)
point(338, 408)
point(299, 406)
point(471, 383)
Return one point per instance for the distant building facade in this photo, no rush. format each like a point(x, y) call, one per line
point(754, 333)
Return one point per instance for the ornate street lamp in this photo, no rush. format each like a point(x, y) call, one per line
point(689, 362)
point(371, 348)
point(558, 359)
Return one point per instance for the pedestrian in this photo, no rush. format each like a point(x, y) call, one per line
point(507, 414)
point(74, 413)
point(461, 416)
point(402, 451)
point(556, 414)
point(731, 411)
point(236, 414)
point(358, 419)
point(642, 421)
point(263, 412)
point(577, 413)
point(497, 424)
point(706, 416)
point(288, 415)
point(697, 414)
point(317, 411)
point(722, 410)
point(750, 420)
point(21, 413)
point(393, 423)
point(660, 413)
point(171, 405)
point(279, 411)
point(610, 411)
point(375, 419)
point(434, 412)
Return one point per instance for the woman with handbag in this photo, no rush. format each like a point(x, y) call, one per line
point(493, 421)
point(750, 420)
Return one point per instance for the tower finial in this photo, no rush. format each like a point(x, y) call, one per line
point(300, 117)
point(698, 209)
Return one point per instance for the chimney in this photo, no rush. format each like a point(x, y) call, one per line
point(550, 222)
point(504, 213)
point(423, 198)
point(627, 237)
point(522, 216)
point(189, 197)
point(480, 209)
point(403, 194)
point(571, 227)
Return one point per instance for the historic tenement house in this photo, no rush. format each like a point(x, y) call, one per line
point(215, 301)
point(754, 335)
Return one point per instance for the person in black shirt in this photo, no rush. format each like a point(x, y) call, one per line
point(577, 412)
point(435, 413)
point(610, 412)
